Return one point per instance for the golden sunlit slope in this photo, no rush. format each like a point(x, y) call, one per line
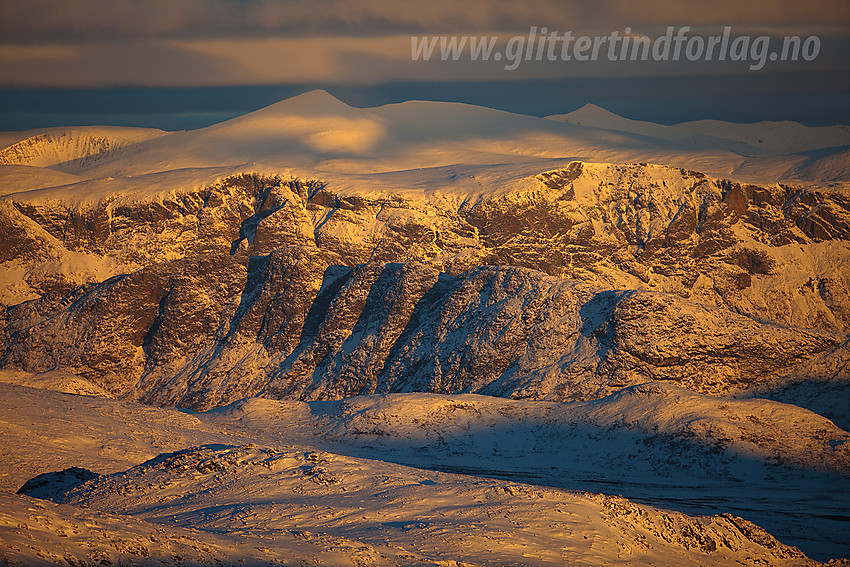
point(318, 131)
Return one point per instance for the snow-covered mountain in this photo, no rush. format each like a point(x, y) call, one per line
point(775, 137)
point(777, 150)
point(354, 251)
point(592, 116)
point(73, 150)
point(760, 138)
point(270, 284)
point(316, 131)
point(634, 289)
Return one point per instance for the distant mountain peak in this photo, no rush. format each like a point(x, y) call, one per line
point(590, 107)
point(317, 100)
point(591, 111)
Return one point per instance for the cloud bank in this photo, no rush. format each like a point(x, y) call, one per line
point(37, 21)
point(190, 43)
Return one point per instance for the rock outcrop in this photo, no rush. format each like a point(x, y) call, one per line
point(592, 278)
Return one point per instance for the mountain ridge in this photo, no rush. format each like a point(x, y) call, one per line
point(745, 254)
point(616, 306)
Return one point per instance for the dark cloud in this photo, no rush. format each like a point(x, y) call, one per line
point(122, 63)
point(216, 43)
point(38, 21)
point(342, 60)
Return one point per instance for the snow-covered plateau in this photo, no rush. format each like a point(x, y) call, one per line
point(425, 333)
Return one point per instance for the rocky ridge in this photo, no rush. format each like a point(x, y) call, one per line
point(263, 285)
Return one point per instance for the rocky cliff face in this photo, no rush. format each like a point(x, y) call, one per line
point(205, 331)
point(268, 285)
point(768, 252)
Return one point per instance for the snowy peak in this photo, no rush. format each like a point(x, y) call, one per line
point(316, 132)
point(590, 115)
point(314, 121)
point(318, 100)
point(314, 103)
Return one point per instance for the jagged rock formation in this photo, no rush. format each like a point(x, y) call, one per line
point(768, 252)
point(261, 284)
point(296, 324)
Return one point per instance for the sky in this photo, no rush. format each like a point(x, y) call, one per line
point(189, 63)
